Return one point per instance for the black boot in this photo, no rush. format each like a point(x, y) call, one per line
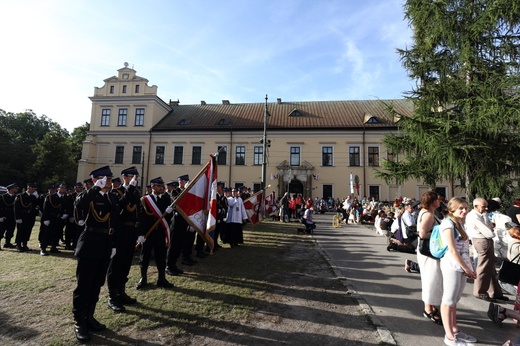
point(162, 282)
point(125, 299)
point(143, 282)
point(80, 328)
point(114, 302)
point(8, 244)
point(92, 323)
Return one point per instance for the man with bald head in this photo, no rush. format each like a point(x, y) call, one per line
point(480, 230)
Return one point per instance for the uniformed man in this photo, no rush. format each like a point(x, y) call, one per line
point(126, 236)
point(171, 187)
point(51, 189)
point(222, 209)
point(71, 228)
point(152, 207)
point(55, 215)
point(26, 208)
point(179, 233)
point(99, 212)
point(7, 221)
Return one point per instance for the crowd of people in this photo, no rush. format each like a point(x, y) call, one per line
point(103, 220)
point(476, 239)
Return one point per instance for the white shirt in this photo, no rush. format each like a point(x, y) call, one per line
point(478, 225)
point(406, 220)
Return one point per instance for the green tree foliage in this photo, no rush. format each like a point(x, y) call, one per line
point(54, 162)
point(36, 149)
point(76, 139)
point(465, 61)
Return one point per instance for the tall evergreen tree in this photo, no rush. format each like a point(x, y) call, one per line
point(465, 61)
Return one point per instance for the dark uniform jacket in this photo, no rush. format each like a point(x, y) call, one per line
point(129, 200)
point(7, 206)
point(101, 216)
point(148, 218)
point(54, 207)
point(26, 207)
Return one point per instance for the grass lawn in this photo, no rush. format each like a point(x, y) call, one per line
point(214, 296)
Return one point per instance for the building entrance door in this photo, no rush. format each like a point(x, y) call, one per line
point(295, 187)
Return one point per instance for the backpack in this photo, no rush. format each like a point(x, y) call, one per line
point(437, 247)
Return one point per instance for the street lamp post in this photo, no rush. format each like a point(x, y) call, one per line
point(265, 144)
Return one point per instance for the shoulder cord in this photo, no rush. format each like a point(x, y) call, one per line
point(25, 206)
point(96, 217)
point(131, 209)
point(55, 206)
point(7, 204)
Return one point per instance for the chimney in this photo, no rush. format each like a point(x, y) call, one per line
point(174, 103)
point(279, 100)
point(225, 102)
point(202, 103)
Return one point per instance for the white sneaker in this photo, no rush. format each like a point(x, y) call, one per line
point(454, 342)
point(465, 337)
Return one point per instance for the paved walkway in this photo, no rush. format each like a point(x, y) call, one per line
point(359, 257)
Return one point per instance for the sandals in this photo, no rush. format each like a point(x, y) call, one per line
point(494, 312)
point(432, 315)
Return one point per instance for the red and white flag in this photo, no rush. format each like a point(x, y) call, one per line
point(270, 203)
point(211, 175)
point(198, 201)
point(254, 207)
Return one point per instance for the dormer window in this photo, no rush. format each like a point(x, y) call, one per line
point(295, 113)
point(370, 119)
point(111, 89)
point(184, 122)
point(224, 121)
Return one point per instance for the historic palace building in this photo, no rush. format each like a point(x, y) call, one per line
point(319, 149)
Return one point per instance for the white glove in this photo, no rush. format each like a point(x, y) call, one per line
point(35, 194)
point(81, 223)
point(169, 210)
point(101, 182)
point(141, 239)
point(133, 182)
point(64, 217)
point(46, 222)
point(2, 219)
point(113, 252)
point(18, 221)
point(71, 219)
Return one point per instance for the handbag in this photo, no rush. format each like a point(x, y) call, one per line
point(509, 271)
point(424, 248)
point(411, 231)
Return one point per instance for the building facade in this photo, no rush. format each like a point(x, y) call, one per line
point(319, 149)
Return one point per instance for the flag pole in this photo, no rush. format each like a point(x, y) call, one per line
point(178, 198)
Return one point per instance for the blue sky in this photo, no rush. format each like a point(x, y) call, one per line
point(55, 52)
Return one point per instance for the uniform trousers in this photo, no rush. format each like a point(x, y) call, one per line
point(120, 264)
point(7, 229)
point(187, 249)
point(90, 275)
point(178, 237)
point(156, 242)
point(24, 229)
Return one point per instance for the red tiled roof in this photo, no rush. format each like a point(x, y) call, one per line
point(313, 115)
